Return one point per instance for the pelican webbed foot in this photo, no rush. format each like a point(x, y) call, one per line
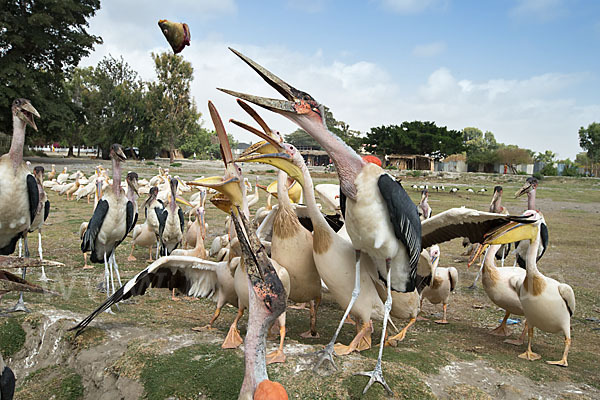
point(233, 339)
point(530, 355)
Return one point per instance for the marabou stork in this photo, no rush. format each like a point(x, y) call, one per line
point(171, 221)
point(547, 304)
point(19, 194)
point(114, 217)
point(423, 208)
point(381, 219)
point(529, 188)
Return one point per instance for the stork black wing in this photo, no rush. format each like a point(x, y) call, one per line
point(7, 383)
point(89, 237)
point(405, 219)
point(34, 196)
point(46, 210)
point(162, 219)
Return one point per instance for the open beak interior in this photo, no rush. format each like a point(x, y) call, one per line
point(281, 161)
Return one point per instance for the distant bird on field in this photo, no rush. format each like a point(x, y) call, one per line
point(454, 190)
point(469, 190)
point(482, 191)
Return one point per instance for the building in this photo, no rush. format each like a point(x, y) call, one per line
point(315, 157)
point(452, 163)
point(410, 162)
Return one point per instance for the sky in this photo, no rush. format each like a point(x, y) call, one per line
point(526, 70)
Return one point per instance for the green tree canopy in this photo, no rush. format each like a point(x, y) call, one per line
point(589, 140)
point(513, 155)
point(40, 43)
point(301, 139)
point(546, 157)
point(414, 138)
point(481, 148)
point(174, 113)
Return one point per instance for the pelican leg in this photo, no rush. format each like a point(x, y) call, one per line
point(233, 339)
point(377, 374)
point(131, 256)
point(563, 361)
point(530, 355)
point(393, 341)
point(443, 320)
point(150, 254)
point(312, 332)
point(521, 339)
point(278, 356)
point(326, 354)
point(211, 322)
point(502, 329)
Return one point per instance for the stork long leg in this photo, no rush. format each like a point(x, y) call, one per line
point(20, 306)
point(116, 269)
point(43, 278)
point(377, 374)
point(326, 354)
point(106, 283)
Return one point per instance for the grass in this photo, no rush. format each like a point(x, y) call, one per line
point(53, 382)
point(12, 336)
point(202, 370)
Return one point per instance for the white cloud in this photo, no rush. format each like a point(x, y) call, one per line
point(429, 49)
point(413, 6)
point(542, 10)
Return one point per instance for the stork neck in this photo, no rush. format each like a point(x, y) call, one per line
point(17, 143)
point(495, 206)
point(531, 199)
point(131, 194)
point(116, 165)
point(347, 163)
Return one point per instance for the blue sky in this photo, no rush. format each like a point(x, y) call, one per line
point(527, 70)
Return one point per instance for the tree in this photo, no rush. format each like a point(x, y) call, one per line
point(40, 43)
point(174, 113)
point(512, 155)
point(546, 157)
point(481, 148)
point(300, 139)
point(113, 98)
point(589, 140)
point(414, 138)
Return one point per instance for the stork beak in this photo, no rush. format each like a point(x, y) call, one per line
point(282, 161)
point(120, 154)
point(134, 186)
point(298, 102)
point(27, 112)
point(526, 188)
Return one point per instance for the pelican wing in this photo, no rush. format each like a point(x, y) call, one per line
point(463, 222)
point(166, 272)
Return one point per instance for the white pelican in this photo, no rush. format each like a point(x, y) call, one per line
point(423, 208)
point(548, 304)
point(443, 282)
point(63, 176)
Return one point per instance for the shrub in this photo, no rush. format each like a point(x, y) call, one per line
point(415, 173)
point(176, 164)
point(549, 170)
point(538, 176)
point(150, 163)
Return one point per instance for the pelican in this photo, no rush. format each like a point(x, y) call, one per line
point(83, 227)
point(7, 381)
point(254, 197)
point(380, 218)
point(113, 219)
point(423, 208)
point(52, 174)
point(194, 226)
point(19, 194)
point(548, 304)
point(444, 280)
point(41, 215)
point(63, 176)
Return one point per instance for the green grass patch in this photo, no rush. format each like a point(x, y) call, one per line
point(176, 164)
point(12, 336)
point(53, 382)
point(193, 371)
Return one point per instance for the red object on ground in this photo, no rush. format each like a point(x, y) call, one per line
point(269, 390)
point(372, 159)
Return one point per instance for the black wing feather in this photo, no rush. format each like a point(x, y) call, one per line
point(46, 210)
point(7, 384)
point(89, 237)
point(34, 196)
point(181, 220)
point(161, 214)
point(405, 219)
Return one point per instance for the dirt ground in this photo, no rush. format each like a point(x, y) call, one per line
point(148, 350)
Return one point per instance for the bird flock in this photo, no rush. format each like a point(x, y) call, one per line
point(377, 256)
